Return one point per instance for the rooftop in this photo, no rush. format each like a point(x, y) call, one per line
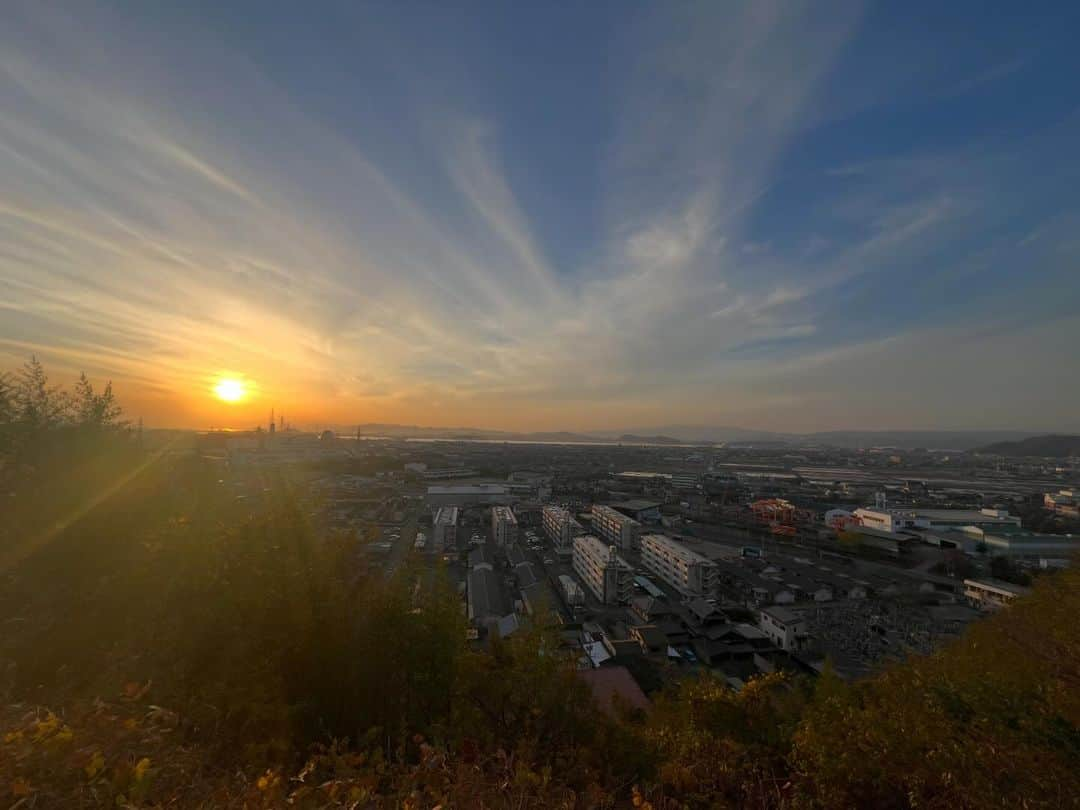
point(636, 505)
point(687, 555)
point(446, 516)
point(998, 585)
point(782, 614)
point(611, 512)
point(467, 489)
point(485, 596)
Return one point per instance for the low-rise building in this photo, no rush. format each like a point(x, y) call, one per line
point(485, 601)
point(684, 569)
point(603, 571)
point(1065, 502)
point(444, 529)
point(504, 526)
point(615, 527)
point(560, 526)
point(992, 594)
point(685, 482)
point(641, 510)
point(785, 628)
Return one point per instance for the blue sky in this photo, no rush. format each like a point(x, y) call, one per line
point(538, 216)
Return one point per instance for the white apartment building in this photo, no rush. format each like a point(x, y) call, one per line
point(603, 571)
point(685, 570)
point(504, 525)
point(615, 527)
point(444, 529)
point(560, 526)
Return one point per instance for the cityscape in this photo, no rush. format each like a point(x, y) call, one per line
point(669, 559)
point(642, 405)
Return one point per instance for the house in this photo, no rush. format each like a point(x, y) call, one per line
point(785, 628)
point(648, 609)
point(651, 639)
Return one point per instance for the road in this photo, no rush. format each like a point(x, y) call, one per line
point(404, 544)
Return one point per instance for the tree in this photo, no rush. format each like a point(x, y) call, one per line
point(38, 405)
point(1004, 569)
point(95, 410)
point(7, 411)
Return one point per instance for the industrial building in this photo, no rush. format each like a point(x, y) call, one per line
point(504, 526)
point(643, 511)
point(466, 494)
point(485, 601)
point(685, 482)
point(615, 527)
point(603, 571)
point(685, 570)
point(1011, 541)
point(444, 529)
point(894, 520)
point(446, 473)
point(560, 526)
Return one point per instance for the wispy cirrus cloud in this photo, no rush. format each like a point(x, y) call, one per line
point(160, 229)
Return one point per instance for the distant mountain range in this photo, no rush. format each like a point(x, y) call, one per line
point(700, 434)
point(1050, 446)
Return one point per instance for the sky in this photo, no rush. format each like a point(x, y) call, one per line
point(781, 216)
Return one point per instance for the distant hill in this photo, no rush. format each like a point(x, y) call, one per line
point(960, 440)
point(1050, 446)
point(910, 439)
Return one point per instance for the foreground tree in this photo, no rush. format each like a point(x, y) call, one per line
point(94, 410)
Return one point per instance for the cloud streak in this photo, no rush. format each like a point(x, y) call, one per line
point(160, 232)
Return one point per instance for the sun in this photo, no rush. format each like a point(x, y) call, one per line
point(230, 390)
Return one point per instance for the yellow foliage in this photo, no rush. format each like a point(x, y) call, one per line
point(94, 766)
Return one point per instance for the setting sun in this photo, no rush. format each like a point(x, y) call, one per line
point(230, 390)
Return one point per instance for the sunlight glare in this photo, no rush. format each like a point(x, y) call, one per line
point(229, 390)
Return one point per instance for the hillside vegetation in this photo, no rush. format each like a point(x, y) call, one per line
point(1051, 446)
point(163, 645)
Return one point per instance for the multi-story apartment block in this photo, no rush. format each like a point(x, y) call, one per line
point(684, 569)
point(615, 527)
point(603, 571)
point(504, 525)
point(560, 526)
point(444, 529)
